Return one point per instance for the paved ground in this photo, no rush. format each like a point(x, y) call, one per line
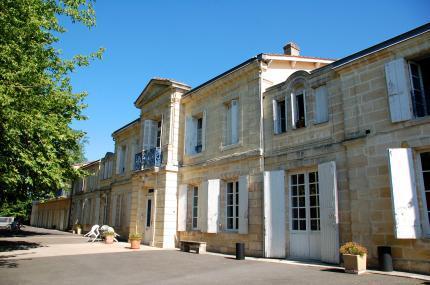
point(53, 257)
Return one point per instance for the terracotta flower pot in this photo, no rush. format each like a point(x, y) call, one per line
point(135, 243)
point(79, 231)
point(109, 239)
point(354, 264)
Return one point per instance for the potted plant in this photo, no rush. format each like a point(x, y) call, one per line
point(78, 229)
point(354, 257)
point(135, 239)
point(108, 236)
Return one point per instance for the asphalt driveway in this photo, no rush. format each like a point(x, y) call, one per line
point(148, 266)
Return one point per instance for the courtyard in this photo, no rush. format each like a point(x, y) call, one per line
point(39, 256)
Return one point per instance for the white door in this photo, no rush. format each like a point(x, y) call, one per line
point(149, 219)
point(305, 240)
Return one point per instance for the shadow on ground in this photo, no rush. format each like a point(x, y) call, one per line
point(4, 263)
point(335, 270)
point(7, 245)
point(21, 233)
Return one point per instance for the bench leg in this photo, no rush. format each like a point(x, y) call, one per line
point(186, 248)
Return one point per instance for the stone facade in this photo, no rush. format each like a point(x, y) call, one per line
point(305, 140)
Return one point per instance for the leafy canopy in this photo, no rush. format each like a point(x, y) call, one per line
point(37, 145)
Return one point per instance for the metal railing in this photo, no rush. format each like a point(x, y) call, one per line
point(148, 158)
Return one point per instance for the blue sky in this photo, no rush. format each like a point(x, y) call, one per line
point(193, 41)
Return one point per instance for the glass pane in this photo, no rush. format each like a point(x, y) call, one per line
point(294, 190)
point(311, 177)
point(314, 213)
point(293, 179)
point(302, 225)
point(296, 225)
point(237, 211)
point(314, 225)
point(230, 187)
point(312, 189)
point(302, 201)
point(302, 212)
point(313, 200)
point(195, 203)
point(428, 200)
point(295, 213)
point(302, 190)
point(294, 201)
point(301, 178)
point(229, 223)
point(229, 199)
point(237, 224)
point(230, 211)
point(194, 223)
point(426, 177)
point(425, 160)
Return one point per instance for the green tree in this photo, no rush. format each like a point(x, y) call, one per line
point(37, 104)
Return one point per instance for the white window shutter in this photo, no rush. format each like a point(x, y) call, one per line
point(403, 194)
point(147, 125)
point(321, 104)
point(213, 205)
point(97, 210)
point(398, 88)
point(203, 207)
point(153, 134)
point(293, 110)
point(190, 135)
point(327, 180)
point(182, 207)
point(118, 159)
point(243, 204)
point(274, 214)
point(113, 207)
point(276, 122)
point(234, 121)
point(203, 130)
point(128, 214)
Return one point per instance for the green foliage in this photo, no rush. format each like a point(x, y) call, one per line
point(353, 248)
point(18, 209)
point(37, 104)
point(135, 236)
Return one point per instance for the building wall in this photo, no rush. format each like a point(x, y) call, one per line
point(52, 214)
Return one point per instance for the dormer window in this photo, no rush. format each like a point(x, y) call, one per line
point(298, 109)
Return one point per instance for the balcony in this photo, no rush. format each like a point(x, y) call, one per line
point(148, 159)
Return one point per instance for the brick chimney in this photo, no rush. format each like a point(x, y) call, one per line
point(291, 49)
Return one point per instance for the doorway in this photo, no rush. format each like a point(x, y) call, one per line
point(149, 218)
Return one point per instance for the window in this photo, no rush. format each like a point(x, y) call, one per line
point(232, 205)
point(305, 209)
point(121, 159)
point(198, 147)
point(298, 106)
point(321, 104)
point(195, 133)
point(279, 116)
point(118, 210)
point(195, 210)
point(148, 212)
point(159, 134)
point(232, 123)
point(419, 72)
point(425, 173)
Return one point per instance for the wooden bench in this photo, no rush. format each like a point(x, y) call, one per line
point(197, 246)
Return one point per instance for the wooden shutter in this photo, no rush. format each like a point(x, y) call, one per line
point(404, 200)
point(147, 126)
point(276, 121)
point(118, 158)
point(190, 135)
point(329, 220)
point(234, 121)
point(203, 130)
point(182, 207)
point(293, 110)
point(274, 214)
point(203, 207)
point(213, 205)
point(398, 88)
point(243, 204)
point(321, 104)
point(97, 210)
point(153, 134)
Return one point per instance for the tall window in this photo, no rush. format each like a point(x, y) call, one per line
point(420, 83)
point(305, 209)
point(199, 125)
point(233, 205)
point(425, 168)
point(195, 133)
point(232, 122)
point(118, 210)
point(299, 110)
point(280, 116)
point(195, 207)
point(122, 158)
point(159, 134)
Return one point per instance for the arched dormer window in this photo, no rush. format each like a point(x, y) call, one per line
point(298, 106)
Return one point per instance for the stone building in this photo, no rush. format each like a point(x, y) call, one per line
point(291, 155)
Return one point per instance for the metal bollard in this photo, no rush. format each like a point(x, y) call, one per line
point(240, 251)
point(385, 259)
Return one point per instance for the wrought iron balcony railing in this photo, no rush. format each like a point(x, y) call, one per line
point(148, 158)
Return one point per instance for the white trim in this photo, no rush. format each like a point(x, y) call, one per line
point(425, 223)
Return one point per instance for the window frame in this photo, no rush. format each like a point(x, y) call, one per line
point(421, 89)
point(425, 220)
point(195, 208)
point(235, 206)
point(308, 207)
point(228, 125)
